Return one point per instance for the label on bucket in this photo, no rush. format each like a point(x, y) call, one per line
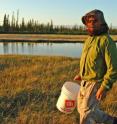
point(69, 103)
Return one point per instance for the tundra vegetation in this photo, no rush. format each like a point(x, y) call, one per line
point(30, 87)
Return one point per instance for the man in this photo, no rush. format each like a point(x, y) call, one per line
point(98, 69)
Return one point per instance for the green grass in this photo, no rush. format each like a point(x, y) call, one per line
point(31, 85)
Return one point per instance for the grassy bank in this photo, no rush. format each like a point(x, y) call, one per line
point(30, 86)
point(45, 38)
point(42, 37)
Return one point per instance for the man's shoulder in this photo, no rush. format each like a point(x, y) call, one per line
point(101, 39)
point(105, 39)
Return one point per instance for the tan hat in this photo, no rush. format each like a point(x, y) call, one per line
point(97, 14)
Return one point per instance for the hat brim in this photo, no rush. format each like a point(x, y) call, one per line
point(83, 20)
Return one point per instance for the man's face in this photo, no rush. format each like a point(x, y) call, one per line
point(92, 23)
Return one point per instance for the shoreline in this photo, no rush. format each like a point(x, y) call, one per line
point(40, 41)
point(54, 38)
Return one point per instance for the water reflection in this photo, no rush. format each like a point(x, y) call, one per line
point(59, 49)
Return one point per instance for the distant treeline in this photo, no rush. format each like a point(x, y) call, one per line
point(32, 26)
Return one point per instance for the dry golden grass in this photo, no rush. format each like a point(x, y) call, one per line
point(46, 37)
point(30, 87)
point(43, 37)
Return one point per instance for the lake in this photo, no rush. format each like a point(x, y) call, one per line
point(51, 49)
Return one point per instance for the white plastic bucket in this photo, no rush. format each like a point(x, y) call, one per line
point(67, 100)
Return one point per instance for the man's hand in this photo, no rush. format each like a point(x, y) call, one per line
point(77, 78)
point(101, 94)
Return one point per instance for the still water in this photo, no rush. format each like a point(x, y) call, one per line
point(51, 49)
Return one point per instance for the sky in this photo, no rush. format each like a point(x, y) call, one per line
point(61, 12)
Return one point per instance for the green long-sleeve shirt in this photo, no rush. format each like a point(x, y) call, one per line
point(99, 60)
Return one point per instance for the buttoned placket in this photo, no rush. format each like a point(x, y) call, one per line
point(85, 57)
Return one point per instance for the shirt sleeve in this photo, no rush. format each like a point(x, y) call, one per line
point(110, 57)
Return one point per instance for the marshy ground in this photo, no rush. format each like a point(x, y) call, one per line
point(31, 85)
